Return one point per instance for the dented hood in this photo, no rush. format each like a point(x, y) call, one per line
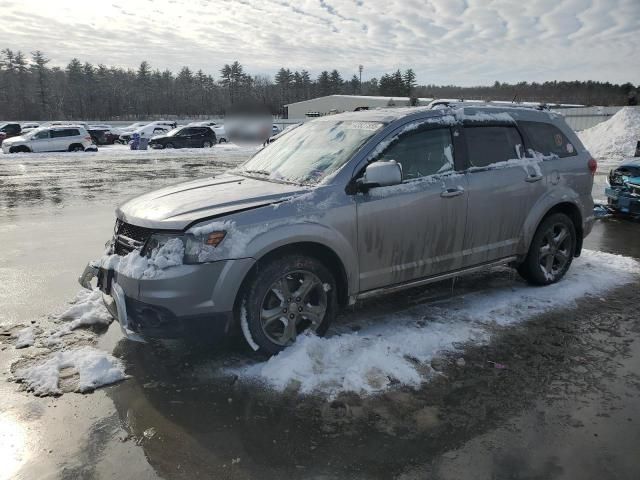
point(178, 206)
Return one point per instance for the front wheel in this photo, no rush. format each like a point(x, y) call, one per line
point(551, 251)
point(285, 298)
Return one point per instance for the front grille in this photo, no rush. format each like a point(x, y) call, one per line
point(129, 237)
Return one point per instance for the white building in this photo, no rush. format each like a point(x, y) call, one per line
point(344, 103)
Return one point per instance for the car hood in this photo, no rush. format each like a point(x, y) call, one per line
point(10, 140)
point(178, 206)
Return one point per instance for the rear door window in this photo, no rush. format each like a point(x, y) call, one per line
point(492, 144)
point(548, 139)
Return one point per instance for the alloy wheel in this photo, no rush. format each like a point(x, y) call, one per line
point(294, 303)
point(554, 253)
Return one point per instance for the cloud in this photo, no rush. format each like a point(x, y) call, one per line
point(445, 41)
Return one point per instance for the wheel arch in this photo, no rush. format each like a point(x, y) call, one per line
point(317, 250)
point(566, 206)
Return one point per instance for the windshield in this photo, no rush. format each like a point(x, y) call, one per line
point(311, 152)
point(171, 133)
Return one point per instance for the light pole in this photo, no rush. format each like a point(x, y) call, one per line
point(360, 68)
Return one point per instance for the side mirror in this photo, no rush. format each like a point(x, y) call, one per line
point(381, 174)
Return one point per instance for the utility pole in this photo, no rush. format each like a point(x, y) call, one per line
point(360, 68)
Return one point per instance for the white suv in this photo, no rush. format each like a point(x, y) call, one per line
point(67, 138)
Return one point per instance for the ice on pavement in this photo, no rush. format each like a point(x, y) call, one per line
point(390, 348)
point(611, 141)
point(93, 367)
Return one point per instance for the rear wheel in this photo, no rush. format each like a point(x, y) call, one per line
point(222, 140)
point(206, 144)
point(76, 147)
point(168, 145)
point(551, 251)
point(286, 297)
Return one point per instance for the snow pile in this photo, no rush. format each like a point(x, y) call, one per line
point(396, 348)
point(134, 265)
point(94, 368)
point(87, 309)
point(25, 337)
point(616, 138)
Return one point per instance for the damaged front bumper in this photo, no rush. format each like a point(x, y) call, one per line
point(623, 200)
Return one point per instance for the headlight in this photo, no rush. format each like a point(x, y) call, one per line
point(197, 249)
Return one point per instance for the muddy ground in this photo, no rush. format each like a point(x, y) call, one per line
point(555, 397)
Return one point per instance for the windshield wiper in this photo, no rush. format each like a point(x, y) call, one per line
point(258, 172)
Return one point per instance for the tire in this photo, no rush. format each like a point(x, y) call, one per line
point(20, 149)
point(273, 289)
point(550, 255)
point(206, 144)
point(76, 147)
point(168, 145)
point(222, 140)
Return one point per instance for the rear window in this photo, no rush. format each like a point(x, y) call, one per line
point(492, 144)
point(548, 139)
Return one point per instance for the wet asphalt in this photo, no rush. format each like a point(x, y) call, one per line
point(567, 405)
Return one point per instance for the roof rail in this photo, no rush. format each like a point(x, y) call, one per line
point(438, 103)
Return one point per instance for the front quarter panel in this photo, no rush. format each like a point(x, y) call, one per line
point(324, 215)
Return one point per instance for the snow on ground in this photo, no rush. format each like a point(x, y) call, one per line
point(94, 368)
point(395, 348)
point(611, 141)
point(86, 309)
point(25, 337)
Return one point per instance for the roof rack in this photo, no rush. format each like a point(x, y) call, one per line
point(491, 103)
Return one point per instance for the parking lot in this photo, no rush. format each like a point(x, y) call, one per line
point(523, 383)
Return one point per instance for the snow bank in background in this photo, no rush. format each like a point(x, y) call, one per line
point(390, 349)
point(25, 337)
point(614, 139)
point(95, 368)
point(87, 309)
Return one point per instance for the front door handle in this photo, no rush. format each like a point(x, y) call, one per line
point(452, 192)
point(534, 178)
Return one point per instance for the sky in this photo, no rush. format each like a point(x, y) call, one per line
point(462, 42)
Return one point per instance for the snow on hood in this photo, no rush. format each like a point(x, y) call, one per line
point(177, 206)
point(394, 349)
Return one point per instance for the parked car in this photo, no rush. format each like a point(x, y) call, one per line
point(29, 126)
point(276, 136)
point(218, 128)
point(185, 137)
point(72, 138)
point(8, 130)
point(148, 131)
point(102, 136)
point(345, 208)
point(623, 191)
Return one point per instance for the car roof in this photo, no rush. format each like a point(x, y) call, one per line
point(388, 115)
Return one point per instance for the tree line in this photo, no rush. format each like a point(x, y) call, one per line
point(31, 89)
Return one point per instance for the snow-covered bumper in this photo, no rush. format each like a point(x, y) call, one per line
point(184, 300)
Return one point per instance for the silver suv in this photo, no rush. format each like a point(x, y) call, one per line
point(346, 207)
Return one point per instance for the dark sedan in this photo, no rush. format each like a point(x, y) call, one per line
point(185, 137)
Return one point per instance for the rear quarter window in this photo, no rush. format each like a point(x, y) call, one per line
point(548, 139)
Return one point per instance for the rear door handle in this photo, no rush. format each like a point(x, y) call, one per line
point(534, 178)
point(452, 192)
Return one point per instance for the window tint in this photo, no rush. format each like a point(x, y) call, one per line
point(487, 145)
point(548, 139)
point(66, 132)
point(187, 131)
point(41, 135)
point(422, 153)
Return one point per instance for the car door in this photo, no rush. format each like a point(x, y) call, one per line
point(415, 229)
point(197, 137)
point(40, 141)
point(502, 187)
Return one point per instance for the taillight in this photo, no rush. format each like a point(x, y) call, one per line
point(87, 138)
point(593, 166)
